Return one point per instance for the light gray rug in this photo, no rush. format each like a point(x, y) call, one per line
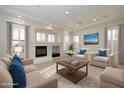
point(48, 69)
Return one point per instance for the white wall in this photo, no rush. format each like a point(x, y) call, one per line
point(92, 48)
point(97, 28)
point(35, 26)
point(3, 38)
point(32, 42)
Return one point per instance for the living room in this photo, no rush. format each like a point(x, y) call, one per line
point(49, 38)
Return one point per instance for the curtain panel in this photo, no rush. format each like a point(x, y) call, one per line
point(9, 38)
point(121, 44)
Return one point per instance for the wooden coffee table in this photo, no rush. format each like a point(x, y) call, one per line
point(72, 72)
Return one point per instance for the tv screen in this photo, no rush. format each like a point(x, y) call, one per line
point(91, 39)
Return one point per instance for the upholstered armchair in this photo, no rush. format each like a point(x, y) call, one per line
point(82, 55)
point(103, 61)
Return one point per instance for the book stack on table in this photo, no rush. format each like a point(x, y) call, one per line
point(75, 62)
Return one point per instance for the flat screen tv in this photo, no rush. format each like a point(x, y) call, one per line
point(91, 39)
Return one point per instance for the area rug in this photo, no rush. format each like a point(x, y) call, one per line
point(48, 69)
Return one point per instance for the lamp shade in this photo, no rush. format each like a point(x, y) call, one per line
point(18, 49)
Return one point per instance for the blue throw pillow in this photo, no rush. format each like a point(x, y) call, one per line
point(82, 51)
point(102, 53)
point(18, 74)
point(17, 58)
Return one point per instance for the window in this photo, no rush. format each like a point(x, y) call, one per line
point(76, 43)
point(18, 37)
point(76, 39)
point(112, 42)
point(51, 38)
point(66, 42)
point(66, 38)
point(40, 37)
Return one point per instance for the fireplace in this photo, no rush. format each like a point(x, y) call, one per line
point(55, 51)
point(40, 51)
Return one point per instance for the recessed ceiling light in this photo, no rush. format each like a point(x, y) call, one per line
point(19, 16)
point(67, 12)
point(94, 19)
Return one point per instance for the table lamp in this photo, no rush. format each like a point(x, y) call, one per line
point(18, 50)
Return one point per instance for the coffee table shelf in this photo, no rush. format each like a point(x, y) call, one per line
point(76, 75)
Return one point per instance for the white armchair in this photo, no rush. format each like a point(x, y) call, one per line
point(102, 61)
point(81, 56)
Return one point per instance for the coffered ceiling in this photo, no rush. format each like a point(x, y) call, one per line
point(66, 17)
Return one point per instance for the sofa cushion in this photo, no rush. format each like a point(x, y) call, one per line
point(101, 59)
point(100, 64)
point(5, 77)
point(36, 80)
point(114, 76)
point(9, 56)
point(29, 68)
point(78, 56)
point(18, 74)
point(6, 60)
point(3, 64)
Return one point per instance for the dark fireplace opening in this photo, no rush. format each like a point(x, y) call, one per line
point(55, 54)
point(41, 51)
point(55, 51)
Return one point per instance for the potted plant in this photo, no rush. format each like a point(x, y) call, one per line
point(70, 50)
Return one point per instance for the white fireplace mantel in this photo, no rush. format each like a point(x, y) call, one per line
point(47, 58)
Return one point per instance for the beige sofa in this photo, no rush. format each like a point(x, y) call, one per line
point(112, 78)
point(34, 78)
